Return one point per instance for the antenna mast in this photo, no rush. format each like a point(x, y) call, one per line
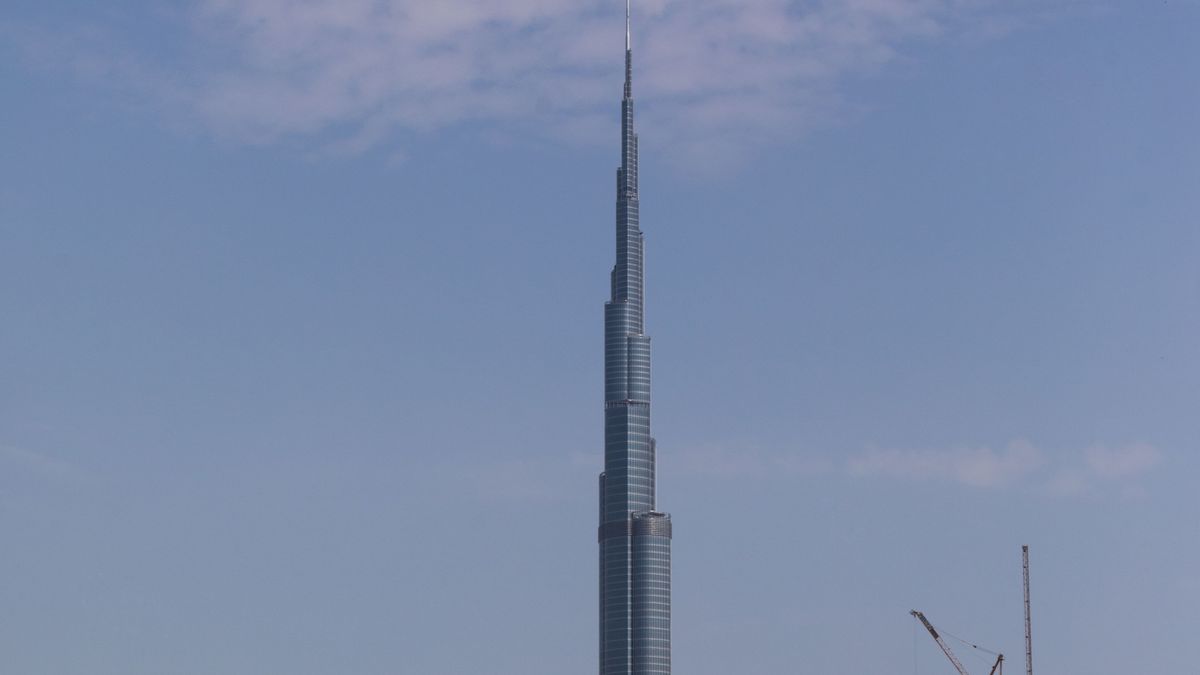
point(1028, 629)
point(628, 32)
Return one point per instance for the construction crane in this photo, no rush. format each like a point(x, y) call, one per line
point(1028, 629)
point(997, 667)
point(940, 642)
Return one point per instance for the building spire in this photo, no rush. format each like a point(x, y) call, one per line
point(628, 32)
point(628, 52)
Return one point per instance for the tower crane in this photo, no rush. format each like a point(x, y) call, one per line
point(997, 668)
point(1028, 628)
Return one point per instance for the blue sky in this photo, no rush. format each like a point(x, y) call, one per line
point(300, 369)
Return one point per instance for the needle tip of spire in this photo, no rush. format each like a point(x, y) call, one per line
point(628, 32)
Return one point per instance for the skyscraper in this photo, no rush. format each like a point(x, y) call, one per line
point(635, 539)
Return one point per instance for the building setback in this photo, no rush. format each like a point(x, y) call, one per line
point(635, 539)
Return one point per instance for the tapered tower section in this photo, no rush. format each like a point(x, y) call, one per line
point(635, 539)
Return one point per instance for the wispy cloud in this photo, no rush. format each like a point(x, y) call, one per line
point(976, 467)
point(1020, 462)
point(721, 77)
point(527, 479)
point(40, 463)
point(1104, 467)
point(1120, 462)
point(744, 462)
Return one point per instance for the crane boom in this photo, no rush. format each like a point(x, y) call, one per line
point(938, 639)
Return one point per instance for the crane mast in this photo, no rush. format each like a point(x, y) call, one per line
point(1028, 628)
point(941, 643)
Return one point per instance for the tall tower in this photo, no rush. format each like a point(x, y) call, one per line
point(635, 539)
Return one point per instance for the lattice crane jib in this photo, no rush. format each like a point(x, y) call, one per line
point(940, 642)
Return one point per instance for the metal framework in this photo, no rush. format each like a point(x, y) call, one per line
point(997, 667)
point(940, 642)
point(1028, 625)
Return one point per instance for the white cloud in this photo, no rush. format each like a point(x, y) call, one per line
point(525, 479)
point(1121, 462)
point(1062, 474)
point(520, 480)
point(746, 462)
point(1104, 466)
point(719, 77)
point(976, 467)
point(1069, 482)
point(39, 463)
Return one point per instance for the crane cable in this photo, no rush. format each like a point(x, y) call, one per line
point(972, 645)
point(948, 634)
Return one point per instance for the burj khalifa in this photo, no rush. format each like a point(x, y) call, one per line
point(635, 538)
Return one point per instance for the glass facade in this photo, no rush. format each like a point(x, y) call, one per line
point(634, 538)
